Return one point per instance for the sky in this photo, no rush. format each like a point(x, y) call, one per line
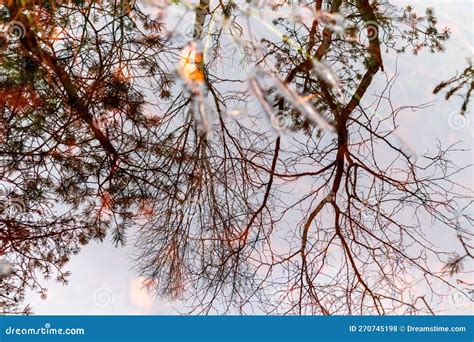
point(102, 280)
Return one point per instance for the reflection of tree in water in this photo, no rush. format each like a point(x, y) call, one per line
point(461, 85)
point(111, 120)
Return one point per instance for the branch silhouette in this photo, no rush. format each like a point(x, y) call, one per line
point(255, 174)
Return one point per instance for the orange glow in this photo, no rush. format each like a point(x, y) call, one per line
point(190, 65)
